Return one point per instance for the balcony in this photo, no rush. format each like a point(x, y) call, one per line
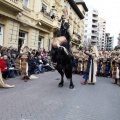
point(95, 34)
point(94, 24)
point(109, 38)
point(94, 40)
point(110, 41)
point(95, 29)
point(45, 19)
point(15, 5)
point(95, 13)
point(95, 18)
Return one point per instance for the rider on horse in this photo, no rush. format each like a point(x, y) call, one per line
point(64, 31)
point(60, 52)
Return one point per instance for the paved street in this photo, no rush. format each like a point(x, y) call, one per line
point(41, 99)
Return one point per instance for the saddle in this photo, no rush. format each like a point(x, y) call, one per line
point(58, 40)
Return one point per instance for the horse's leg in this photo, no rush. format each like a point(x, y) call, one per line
point(71, 84)
point(60, 70)
point(62, 81)
point(68, 73)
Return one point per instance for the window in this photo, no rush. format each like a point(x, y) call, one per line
point(26, 3)
point(84, 12)
point(49, 45)
point(22, 35)
point(44, 7)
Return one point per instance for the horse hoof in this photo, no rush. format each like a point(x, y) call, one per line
point(60, 85)
point(71, 86)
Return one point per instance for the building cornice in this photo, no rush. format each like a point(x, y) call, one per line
point(76, 9)
point(83, 4)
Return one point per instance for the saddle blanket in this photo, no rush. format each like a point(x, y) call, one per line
point(58, 40)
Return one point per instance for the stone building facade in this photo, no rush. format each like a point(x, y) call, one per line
point(30, 22)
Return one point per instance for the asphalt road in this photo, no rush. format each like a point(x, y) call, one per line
point(41, 99)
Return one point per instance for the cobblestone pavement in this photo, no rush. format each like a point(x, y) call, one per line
point(41, 99)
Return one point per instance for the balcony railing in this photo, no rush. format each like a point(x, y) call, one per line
point(95, 18)
point(95, 33)
point(94, 40)
point(45, 18)
point(95, 29)
point(95, 13)
point(15, 5)
point(95, 24)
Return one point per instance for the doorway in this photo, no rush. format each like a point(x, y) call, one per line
point(40, 43)
point(22, 39)
point(20, 43)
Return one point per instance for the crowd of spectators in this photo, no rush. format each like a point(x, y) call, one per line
point(39, 61)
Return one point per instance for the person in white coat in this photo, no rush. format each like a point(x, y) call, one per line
point(90, 74)
point(93, 66)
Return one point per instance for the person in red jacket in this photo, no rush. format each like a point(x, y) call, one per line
point(3, 70)
point(3, 67)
